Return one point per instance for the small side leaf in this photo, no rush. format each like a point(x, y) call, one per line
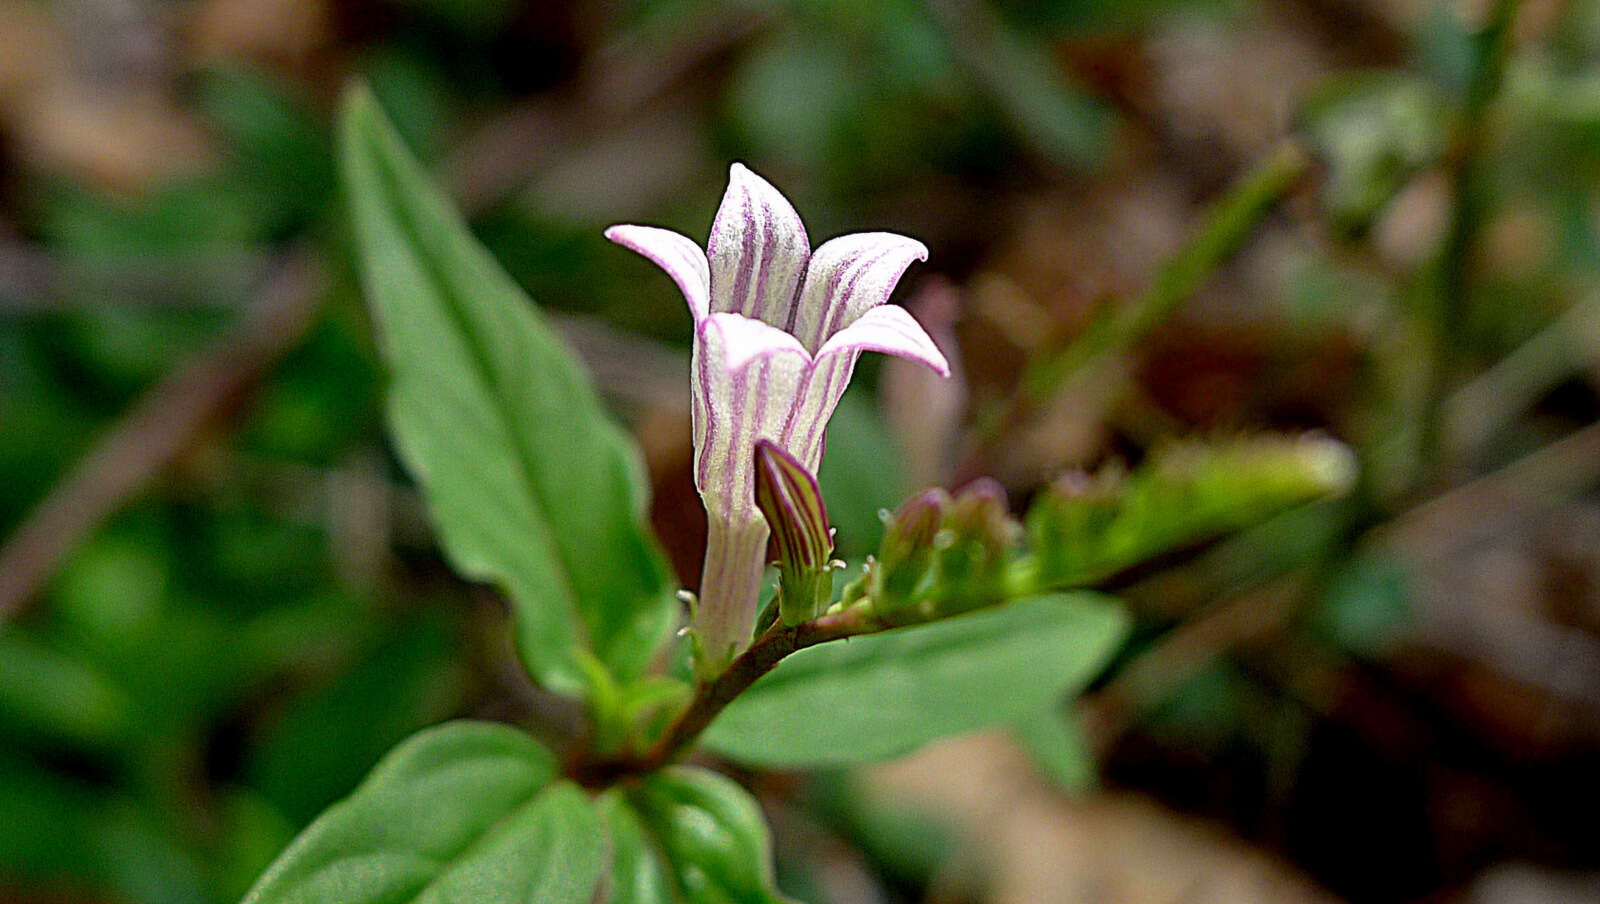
point(874, 697)
point(467, 811)
point(688, 834)
point(533, 488)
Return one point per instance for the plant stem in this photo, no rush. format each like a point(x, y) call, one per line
point(1451, 299)
point(711, 697)
point(1227, 225)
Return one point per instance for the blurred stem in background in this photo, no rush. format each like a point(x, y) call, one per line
point(1451, 305)
point(1116, 328)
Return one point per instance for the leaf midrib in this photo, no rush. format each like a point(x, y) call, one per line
point(489, 834)
point(387, 172)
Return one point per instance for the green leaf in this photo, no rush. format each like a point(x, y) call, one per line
point(466, 811)
point(878, 696)
point(638, 874)
point(688, 834)
point(55, 694)
point(860, 476)
point(533, 488)
point(1058, 747)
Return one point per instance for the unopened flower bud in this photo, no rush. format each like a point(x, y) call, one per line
point(1069, 521)
point(791, 501)
point(980, 511)
point(974, 545)
point(906, 552)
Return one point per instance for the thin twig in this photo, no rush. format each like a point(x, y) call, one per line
point(1493, 398)
point(1451, 304)
point(1478, 509)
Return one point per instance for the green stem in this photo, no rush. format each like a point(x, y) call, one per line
point(1227, 225)
point(711, 697)
point(1451, 302)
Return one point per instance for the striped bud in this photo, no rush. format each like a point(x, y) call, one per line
point(789, 498)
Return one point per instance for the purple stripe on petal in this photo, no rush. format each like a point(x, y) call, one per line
point(746, 403)
point(758, 250)
point(739, 299)
point(704, 443)
point(800, 399)
point(739, 397)
point(842, 306)
point(831, 300)
point(848, 276)
point(748, 372)
point(807, 442)
point(769, 245)
point(838, 381)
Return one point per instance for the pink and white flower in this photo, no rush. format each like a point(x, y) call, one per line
point(778, 329)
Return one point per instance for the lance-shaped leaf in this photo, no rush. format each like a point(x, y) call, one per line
point(688, 834)
point(882, 695)
point(467, 811)
point(531, 485)
point(789, 498)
